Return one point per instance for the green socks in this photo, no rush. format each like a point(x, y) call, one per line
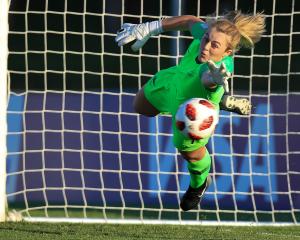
point(199, 170)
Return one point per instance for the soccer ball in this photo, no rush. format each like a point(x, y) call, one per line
point(197, 118)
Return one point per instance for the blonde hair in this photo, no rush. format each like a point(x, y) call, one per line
point(245, 30)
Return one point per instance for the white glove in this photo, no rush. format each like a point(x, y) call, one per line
point(219, 75)
point(140, 32)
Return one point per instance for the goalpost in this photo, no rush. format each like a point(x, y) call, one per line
point(3, 104)
point(77, 152)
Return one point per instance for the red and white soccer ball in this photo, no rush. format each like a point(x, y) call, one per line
point(197, 118)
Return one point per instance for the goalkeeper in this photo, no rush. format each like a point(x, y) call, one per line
point(203, 72)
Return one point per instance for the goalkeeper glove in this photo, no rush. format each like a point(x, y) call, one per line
point(139, 32)
point(219, 75)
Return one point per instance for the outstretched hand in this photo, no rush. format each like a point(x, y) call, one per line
point(219, 75)
point(139, 32)
point(130, 32)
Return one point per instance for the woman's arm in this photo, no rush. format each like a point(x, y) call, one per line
point(143, 31)
point(180, 23)
point(215, 76)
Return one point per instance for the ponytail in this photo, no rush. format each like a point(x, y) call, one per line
point(244, 30)
point(251, 27)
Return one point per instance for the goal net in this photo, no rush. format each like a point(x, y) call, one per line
point(76, 151)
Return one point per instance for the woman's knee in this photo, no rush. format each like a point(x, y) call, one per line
point(194, 156)
point(142, 106)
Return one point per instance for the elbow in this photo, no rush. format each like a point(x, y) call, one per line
point(190, 20)
point(179, 23)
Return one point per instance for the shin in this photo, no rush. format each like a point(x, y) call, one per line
point(199, 162)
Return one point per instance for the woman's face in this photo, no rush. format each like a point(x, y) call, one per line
point(214, 46)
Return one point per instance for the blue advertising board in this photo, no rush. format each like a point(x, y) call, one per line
point(71, 141)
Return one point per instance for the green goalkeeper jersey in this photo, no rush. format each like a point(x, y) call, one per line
point(169, 88)
point(191, 71)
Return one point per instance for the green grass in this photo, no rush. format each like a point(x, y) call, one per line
point(53, 231)
point(154, 214)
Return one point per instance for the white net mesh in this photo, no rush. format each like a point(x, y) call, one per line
point(77, 149)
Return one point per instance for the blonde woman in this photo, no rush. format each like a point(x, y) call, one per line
point(203, 73)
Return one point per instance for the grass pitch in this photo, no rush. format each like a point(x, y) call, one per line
point(53, 231)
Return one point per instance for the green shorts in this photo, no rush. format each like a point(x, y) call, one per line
point(161, 92)
point(166, 90)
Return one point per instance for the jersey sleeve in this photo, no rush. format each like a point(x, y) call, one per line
point(215, 95)
point(198, 30)
point(228, 61)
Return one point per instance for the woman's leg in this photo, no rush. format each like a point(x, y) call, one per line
point(199, 162)
point(143, 106)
